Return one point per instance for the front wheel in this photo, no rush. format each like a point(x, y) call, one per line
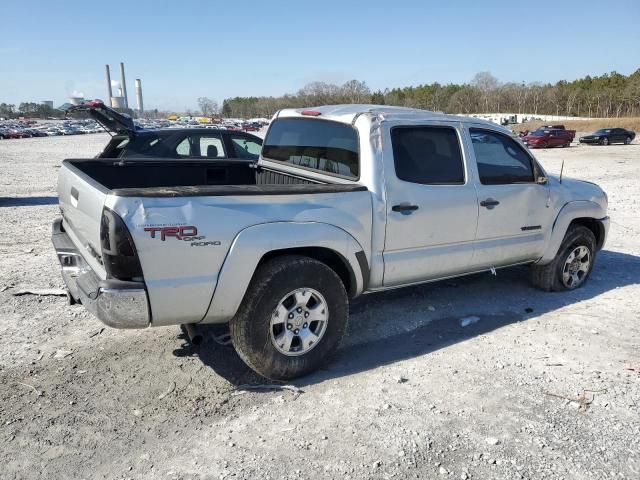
point(292, 318)
point(572, 264)
point(604, 141)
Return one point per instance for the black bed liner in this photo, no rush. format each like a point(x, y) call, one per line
point(184, 178)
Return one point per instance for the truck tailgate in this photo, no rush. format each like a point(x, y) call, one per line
point(81, 202)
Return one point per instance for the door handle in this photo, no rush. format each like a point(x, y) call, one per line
point(489, 203)
point(74, 197)
point(404, 208)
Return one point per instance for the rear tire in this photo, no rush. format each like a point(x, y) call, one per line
point(566, 272)
point(627, 140)
point(273, 309)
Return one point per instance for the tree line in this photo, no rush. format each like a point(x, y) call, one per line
point(29, 109)
point(608, 95)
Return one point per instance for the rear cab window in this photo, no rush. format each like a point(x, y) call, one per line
point(320, 145)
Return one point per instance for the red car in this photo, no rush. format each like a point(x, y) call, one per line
point(544, 138)
point(17, 134)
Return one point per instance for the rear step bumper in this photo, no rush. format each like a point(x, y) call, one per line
point(116, 303)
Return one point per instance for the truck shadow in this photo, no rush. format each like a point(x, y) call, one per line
point(27, 201)
point(405, 323)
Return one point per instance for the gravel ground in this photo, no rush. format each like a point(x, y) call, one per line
point(542, 386)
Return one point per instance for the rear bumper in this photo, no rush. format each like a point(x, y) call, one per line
point(116, 303)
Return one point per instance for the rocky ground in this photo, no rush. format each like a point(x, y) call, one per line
point(542, 386)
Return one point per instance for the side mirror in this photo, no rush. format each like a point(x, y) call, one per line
point(541, 180)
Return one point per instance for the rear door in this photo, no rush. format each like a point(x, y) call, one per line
point(556, 138)
point(432, 208)
point(514, 214)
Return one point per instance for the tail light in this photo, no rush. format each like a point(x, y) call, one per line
point(119, 254)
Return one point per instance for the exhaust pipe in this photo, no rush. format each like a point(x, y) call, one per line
point(194, 335)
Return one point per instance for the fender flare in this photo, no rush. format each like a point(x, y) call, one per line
point(569, 212)
point(253, 243)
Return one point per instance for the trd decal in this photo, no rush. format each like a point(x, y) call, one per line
point(185, 233)
point(177, 232)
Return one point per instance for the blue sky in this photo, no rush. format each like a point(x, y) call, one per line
point(185, 49)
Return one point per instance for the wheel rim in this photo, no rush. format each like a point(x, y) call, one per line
point(605, 141)
point(576, 267)
point(299, 322)
point(627, 141)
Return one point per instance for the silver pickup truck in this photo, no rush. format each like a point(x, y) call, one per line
point(343, 200)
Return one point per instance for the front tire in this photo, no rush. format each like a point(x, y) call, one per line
point(571, 266)
point(604, 141)
point(292, 318)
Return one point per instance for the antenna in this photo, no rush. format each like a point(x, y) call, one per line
point(561, 170)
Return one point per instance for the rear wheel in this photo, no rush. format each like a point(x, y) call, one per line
point(627, 140)
point(572, 265)
point(604, 141)
point(292, 318)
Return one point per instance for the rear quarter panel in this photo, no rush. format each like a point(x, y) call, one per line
point(181, 275)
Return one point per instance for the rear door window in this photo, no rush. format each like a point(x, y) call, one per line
point(501, 160)
point(244, 147)
point(322, 145)
point(200, 146)
point(427, 155)
point(211, 147)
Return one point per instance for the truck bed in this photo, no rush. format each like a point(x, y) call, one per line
point(220, 200)
point(183, 178)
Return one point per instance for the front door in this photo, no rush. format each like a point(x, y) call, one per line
point(514, 215)
point(432, 206)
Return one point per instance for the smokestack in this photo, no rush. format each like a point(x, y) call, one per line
point(139, 96)
point(108, 84)
point(124, 86)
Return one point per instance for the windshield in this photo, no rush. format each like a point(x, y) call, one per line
point(322, 145)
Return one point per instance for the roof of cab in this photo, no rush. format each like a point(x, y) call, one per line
point(347, 113)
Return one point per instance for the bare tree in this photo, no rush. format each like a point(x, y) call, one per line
point(208, 107)
point(486, 84)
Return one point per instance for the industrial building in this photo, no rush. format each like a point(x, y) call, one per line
point(118, 97)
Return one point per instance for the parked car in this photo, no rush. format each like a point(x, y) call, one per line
point(607, 136)
point(572, 133)
point(18, 133)
point(34, 132)
point(544, 138)
point(277, 247)
point(197, 143)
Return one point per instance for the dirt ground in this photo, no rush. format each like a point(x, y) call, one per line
point(543, 386)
